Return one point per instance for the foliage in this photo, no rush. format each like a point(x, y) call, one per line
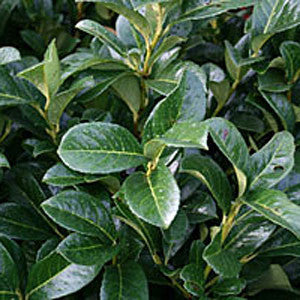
point(151, 150)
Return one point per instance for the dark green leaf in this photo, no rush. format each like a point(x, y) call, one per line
point(100, 148)
point(3, 161)
point(84, 250)
point(230, 286)
point(54, 277)
point(153, 197)
point(82, 213)
point(205, 169)
point(126, 282)
point(273, 81)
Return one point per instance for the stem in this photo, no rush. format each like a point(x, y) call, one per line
point(6, 132)
point(184, 292)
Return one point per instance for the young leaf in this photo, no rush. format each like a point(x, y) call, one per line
point(54, 277)
point(3, 161)
point(104, 35)
point(205, 169)
point(19, 222)
point(85, 250)
point(276, 207)
point(155, 197)
point(273, 162)
point(290, 52)
point(82, 213)
point(283, 108)
point(233, 146)
point(126, 282)
point(100, 148)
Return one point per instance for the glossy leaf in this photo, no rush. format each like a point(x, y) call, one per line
point(54, 277)
point(276, 207)
point(282, 107)
point(155, 197)
point(104, 35)
point(223, 262)
point(233, 146)
point(85, 250)
point(273, 162)
point(290, 52)
point(126, 282)
point(9, 54)
point(206, 170)
point(100, 148)
point(60, 175)
point(19, 222)
point(80, 212)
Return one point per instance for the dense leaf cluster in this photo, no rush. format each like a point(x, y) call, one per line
point(149, 149)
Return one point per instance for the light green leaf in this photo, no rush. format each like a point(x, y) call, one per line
point(126, 282)
point(85, 250)
point(9, 54)
point(231, 143)
point(80, 212)
point(60, 175)
point(136, 19)
point(290, 52)
point(273, 162)
point(19, 222)
point(45, 75)
point(196, 10)
point(3, 161)
point(155, 197)
point(54, 277)
point(103, 34)
point(223, 262)
point(273, 16)
point(179, 136)
point(100, 148)
point(276, 207)
point(205, 169)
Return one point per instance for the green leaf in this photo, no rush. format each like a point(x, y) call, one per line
point(273, 16)
point(6, 7)
point(54, 277)
point(100, 148)
point(80, 212)
point(223, 262)
point(155, 197)
point(230, 286)
point(9, 278)
point(169, 43)
point(196, 10)
point(60, 101)
point(273, 162)
point(233, 146)
point(187, 103)
point(38, 147)
point(179, 136)
point(85, 250)
point(3, 161)
point(139, 22)
point(290, 52)
point(19, 222)
point(276, 207)
point(205, 169)
point(140, 3)
point(129, 89)
point(103, 34)
point(9, 54)
point(273, 81)
point(126, 282)
point(45, 75)
point(60, 175)
point(282, 243)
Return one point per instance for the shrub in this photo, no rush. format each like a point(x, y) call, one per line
point(159, 159)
